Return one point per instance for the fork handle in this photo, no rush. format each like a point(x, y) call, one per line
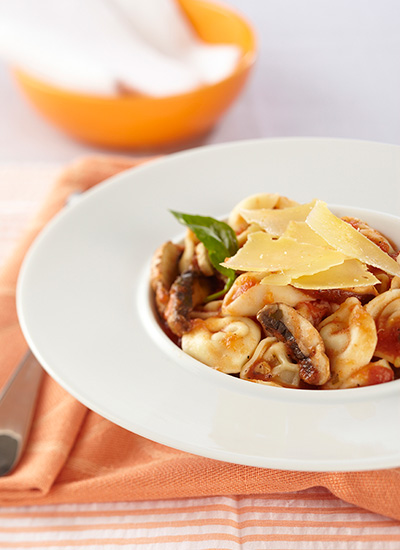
point(17, 403)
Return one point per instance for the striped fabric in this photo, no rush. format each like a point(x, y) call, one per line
point(311, 519)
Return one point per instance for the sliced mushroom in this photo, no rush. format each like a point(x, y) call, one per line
point(188, 290)
point(303, 340)
point(164, 270)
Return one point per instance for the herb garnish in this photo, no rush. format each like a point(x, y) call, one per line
point(220, 241)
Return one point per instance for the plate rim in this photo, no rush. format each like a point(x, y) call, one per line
point(294, 464)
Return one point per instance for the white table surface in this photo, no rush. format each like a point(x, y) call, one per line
point(325, 68)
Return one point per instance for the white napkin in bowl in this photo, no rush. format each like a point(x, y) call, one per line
point(105, 46)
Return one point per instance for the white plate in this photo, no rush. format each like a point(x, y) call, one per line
point(83, 306)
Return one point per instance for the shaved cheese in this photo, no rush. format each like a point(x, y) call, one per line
point(279, 278)
point(302, 233)
point(349, 274)
point(263, 253)
point(243, 236)
point(253, 202)
point(275, 222)
point(344, 238)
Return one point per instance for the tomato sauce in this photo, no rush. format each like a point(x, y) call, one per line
point(377, 374)
point(389, 343)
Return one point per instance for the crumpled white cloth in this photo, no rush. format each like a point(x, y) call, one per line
point(101, 46)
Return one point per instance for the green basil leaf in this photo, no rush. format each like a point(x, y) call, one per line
point(218, 238)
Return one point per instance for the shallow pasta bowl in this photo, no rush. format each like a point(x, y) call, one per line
point(85, 309)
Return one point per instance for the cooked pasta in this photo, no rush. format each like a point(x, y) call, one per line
point(283, 295)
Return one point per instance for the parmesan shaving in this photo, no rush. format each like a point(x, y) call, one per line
point(302, 233)
point(347, 240)
point(263, 253)
point(279, 279)
point(349, 274)
point(275, 222)
point(253, 202)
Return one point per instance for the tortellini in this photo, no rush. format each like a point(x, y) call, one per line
point(385, 310)
point(224, 343)
point(395, 283)
point(248, 295)
point(254, 202)
point(385, 282)
point(271, 364)
point(350, 338)
point(313, 303)
point(262, 200)
point(195, 251)
point(376, 372)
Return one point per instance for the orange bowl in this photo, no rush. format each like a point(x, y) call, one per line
point(142, 122)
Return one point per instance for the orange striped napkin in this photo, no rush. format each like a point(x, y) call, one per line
point(75, 456)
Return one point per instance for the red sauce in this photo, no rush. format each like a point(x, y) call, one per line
point(314, 311)
point(389, 341)
point(339, 295)
point(233, 342)
point(260, 370)
point(377, 374)
point(247, 281)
